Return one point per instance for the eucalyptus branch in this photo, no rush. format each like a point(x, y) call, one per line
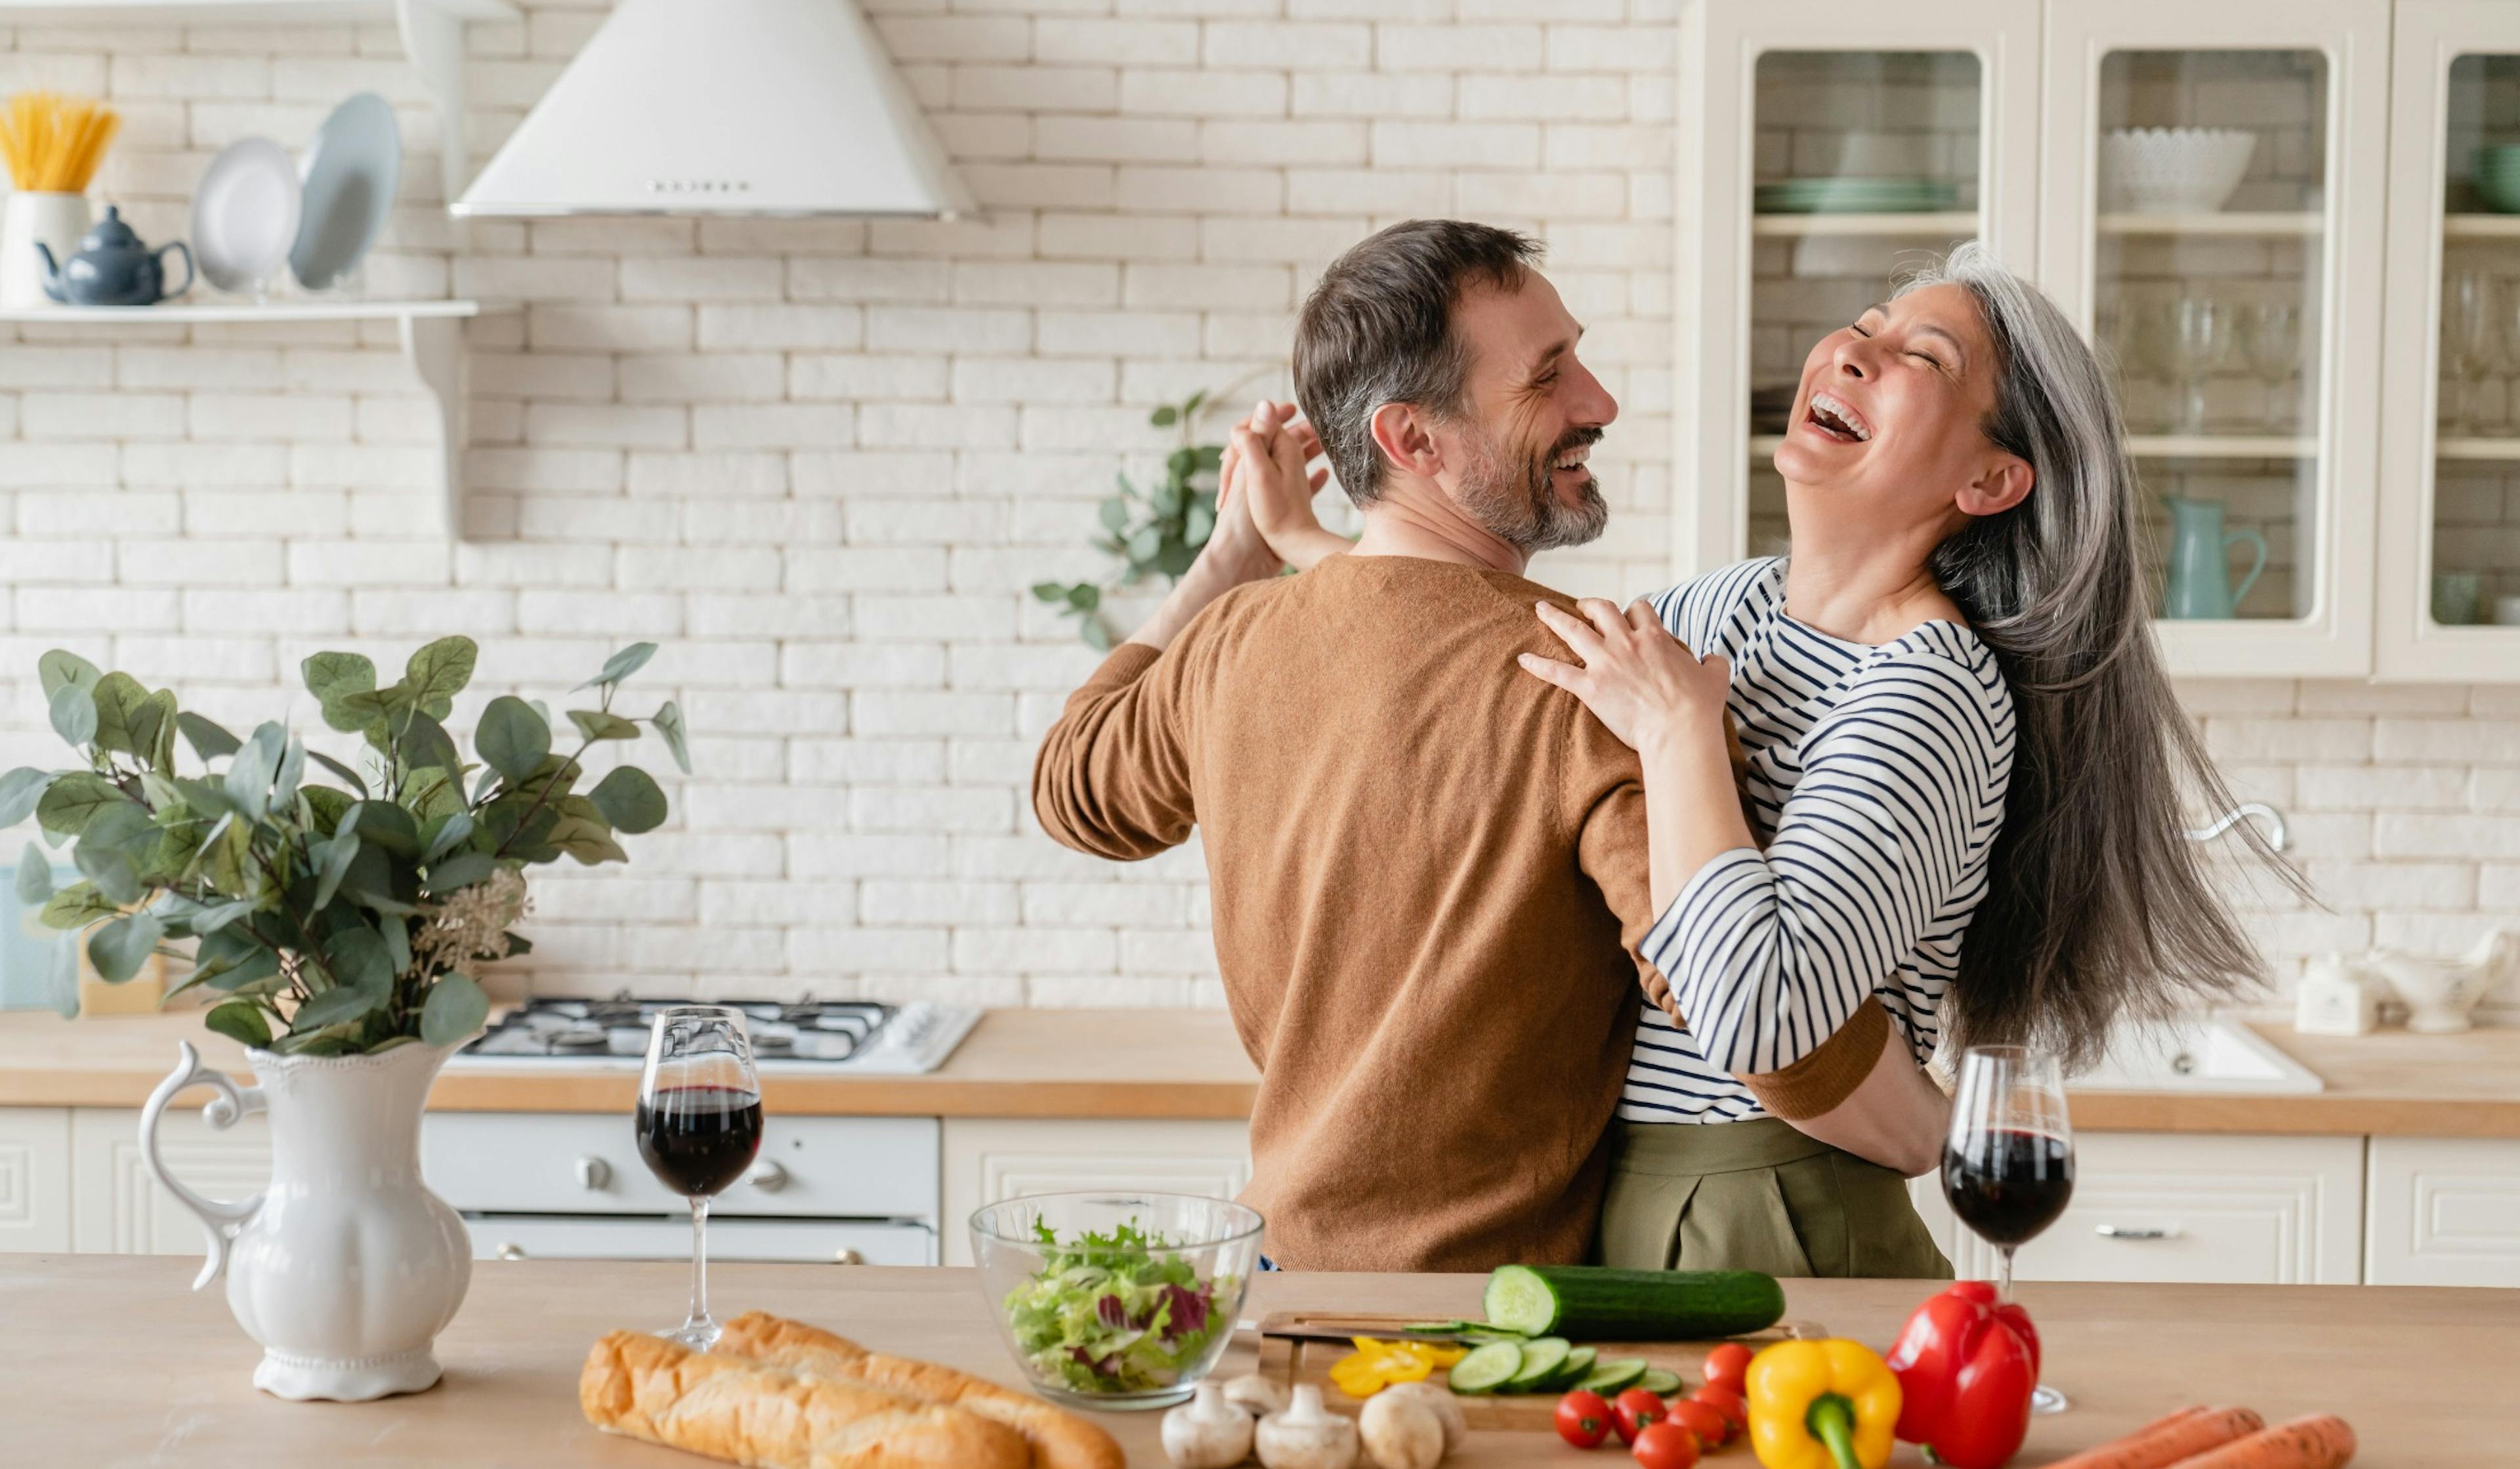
point(542, 796)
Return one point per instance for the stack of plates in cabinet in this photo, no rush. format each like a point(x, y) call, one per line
point(1855, 196)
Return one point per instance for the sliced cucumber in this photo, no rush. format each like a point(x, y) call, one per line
point(1609, 1378)
point(1579, 1365)
point(1540, 1359)
point(1661, 1383)
point(1486, 1369)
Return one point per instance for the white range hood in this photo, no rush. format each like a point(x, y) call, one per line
point(724, 107)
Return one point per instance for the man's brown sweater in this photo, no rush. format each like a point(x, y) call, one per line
point(1428, 877)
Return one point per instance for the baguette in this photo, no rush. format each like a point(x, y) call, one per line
point(1059, 1440)
point(751, 1414)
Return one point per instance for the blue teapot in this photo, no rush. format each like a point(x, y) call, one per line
point(113, 268)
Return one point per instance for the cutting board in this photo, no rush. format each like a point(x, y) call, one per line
point(1293, 1360)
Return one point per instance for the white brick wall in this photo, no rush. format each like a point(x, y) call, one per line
point(820, 461)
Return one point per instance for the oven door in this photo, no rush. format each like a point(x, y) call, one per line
point(579, 1236)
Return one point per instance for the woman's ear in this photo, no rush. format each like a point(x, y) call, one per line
point(2004, 483)
point(1406, 439)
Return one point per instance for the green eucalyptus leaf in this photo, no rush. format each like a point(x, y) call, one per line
point(209, 740)
point(34, 876)
point(121, 946)
point(239, 1021)
point(425, 743)
point(358, 958)
point(112, 873)
point(1206, 457)
point(630, 800)
point(621, 665)
point(1049, 592)
point(19, 790)
point(463, 870)
point(1197, 524)
point(1164, 416)
point(75, 906)
point(250, 774)
point(1097, 636)
point(441, 670)
point(329, 675)
point(254, 969)
point(449, 833)
point(382, 824)
point(455, 1009)
point(511, 737)
point(60, 668)
point(1113, 512)
point(120, 703)
point(332, 857)
point(337, 1005)
point(1085, 597)
point(595, 723)
point(292, 770)
point(433, 794)
point(1190, 404)
point(70, 802)
point(669, 724)
point(164, 796)
point(205, 918)
point(590, 842)
point(74, 711)
point(340, 770)
point(397, 937)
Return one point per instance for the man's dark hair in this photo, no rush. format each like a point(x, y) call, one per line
point(1379, 329)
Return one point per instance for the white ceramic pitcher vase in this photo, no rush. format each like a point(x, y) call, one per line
point(346, 1268)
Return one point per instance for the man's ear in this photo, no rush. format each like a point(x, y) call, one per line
point(1406, 438)
point(2004, 483)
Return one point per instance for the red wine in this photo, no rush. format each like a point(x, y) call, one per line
point(2011, 1186)
point(699, 1140)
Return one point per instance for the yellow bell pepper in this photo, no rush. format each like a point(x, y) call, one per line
point(1829, 1404)
point(1376, 1364)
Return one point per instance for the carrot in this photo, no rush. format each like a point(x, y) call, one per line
point(2169, 1440)
point(2322, 1441)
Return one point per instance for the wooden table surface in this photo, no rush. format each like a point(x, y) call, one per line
point(1188, 1065)
point(115, 1364)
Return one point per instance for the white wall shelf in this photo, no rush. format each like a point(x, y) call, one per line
point(432, 38)
point(2477, 449)
point(432, 342)
point(2258, 225)
point(2218, 446)
point(1953, 225)
point(2481, 226)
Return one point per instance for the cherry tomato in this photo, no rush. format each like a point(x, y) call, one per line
point(1732, 1404)
point(1729, 1366)
point(1666, 1445)
point(1583, 1419)
point(1703, 1419)
point(1632, 1411)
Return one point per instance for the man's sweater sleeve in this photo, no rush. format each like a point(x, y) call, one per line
point(1113, 775)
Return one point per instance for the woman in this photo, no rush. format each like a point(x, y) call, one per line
point(1955, 723)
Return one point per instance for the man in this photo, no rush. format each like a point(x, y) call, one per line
point(1427, 868)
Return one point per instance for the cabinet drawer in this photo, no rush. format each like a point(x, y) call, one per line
point(2443, 1211)
point(588, 1162)
point(526, 1236)
point(2226, 1210)
point(118, 1208)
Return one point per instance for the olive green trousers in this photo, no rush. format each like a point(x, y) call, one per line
point(1757, 1195)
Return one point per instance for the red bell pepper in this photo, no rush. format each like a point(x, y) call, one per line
point(1966, 1366)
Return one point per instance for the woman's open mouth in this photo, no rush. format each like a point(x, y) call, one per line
point(1835, 419)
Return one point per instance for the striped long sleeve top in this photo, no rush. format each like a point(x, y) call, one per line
point(1876, 781)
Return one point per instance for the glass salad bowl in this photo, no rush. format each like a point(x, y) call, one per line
point(1116, 1300)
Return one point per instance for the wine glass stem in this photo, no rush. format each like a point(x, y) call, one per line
point(2003, 1274)
point(699, 1262)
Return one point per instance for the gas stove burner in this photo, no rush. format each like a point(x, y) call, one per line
point(578, 1039)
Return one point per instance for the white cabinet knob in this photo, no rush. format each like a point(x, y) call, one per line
point(846, 1255)
point(593, 1173)
point(769, 1178)
point(512, 1252)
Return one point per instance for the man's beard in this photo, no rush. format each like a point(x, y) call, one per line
point(1516, 498)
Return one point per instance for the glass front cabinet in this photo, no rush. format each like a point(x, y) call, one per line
point(2328, 446)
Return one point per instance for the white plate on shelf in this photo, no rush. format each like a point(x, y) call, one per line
point(244, 216)
point(348, 182)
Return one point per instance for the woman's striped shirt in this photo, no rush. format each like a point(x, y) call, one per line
point(1876, 780)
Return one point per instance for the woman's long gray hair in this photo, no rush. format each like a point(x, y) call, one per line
point(2096, 908)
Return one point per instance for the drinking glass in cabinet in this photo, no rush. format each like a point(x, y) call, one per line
point(2472, 351)
point(2201, 330)
point(2270, 340)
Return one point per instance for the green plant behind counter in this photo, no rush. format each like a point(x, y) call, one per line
point(1153, 532)
point(341, 918)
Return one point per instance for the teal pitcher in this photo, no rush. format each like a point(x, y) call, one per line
point(2200, 561)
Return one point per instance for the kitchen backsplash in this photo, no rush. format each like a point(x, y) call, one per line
point(821, 461)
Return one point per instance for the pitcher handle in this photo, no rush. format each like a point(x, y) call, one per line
point(161, 255)
point(2250, 535)
point(220, 1218)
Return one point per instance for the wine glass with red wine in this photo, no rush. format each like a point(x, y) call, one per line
point(2008, 1163)
point(700, 1124)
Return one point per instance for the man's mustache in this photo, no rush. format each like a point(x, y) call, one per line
point(1575, 439)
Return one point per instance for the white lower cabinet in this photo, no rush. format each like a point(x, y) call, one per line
point(991, 1158)
point(2179, 1207)
point(2443, 1211)
point(34, 1178)
point(118, 1209)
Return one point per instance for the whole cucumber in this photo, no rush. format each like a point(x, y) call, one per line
point(1593, 1303)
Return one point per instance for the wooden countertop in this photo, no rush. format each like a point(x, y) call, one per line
point(1188, 1065)
point(120, 1366)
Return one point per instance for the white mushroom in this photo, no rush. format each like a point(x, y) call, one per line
point(1307, 1436)
point(1256, 1395)
point(1446, 1407)
point(1207, 1432)
point(1401, 1432)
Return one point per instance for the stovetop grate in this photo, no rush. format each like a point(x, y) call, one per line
point(559, 1029)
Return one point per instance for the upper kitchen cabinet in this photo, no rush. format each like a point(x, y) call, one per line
point(2211, 199)
point(2450, 502)
point(1832, 144)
